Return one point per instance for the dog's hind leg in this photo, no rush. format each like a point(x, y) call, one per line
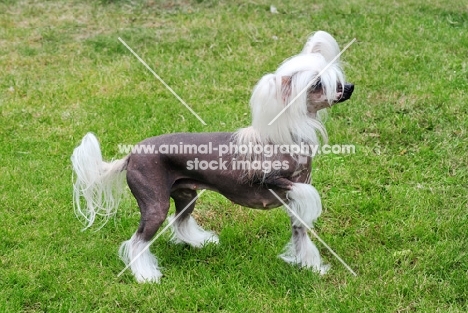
point(304, 208)
point(153, 199)
point(185, 228)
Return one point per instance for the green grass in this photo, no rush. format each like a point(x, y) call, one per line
point(396, 210)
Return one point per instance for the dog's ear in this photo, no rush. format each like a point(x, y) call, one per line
point(286, 87)
point(323, 43)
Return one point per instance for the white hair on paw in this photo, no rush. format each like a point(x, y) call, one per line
point(186, 229)
point(302, 251)
point(143, 264)
point(304, 208)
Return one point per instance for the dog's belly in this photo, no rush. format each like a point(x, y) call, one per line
point(252, 196)
point(260, 200)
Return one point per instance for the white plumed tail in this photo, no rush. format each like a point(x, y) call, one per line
point(99, 183)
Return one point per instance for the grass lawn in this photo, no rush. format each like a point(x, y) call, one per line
point(395, 211)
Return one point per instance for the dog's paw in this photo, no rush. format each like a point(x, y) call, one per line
point(146, 276)
point(324, 268)
point(212, 239)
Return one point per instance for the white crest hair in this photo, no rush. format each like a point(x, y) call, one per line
point(269, 96)
point(323, 43)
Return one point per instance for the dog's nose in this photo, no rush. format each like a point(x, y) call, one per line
point(347, 92)
point(349, 88)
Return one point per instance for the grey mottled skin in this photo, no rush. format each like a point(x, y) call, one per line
point(155, 178)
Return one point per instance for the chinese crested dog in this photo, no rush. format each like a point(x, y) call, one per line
point(238, 165)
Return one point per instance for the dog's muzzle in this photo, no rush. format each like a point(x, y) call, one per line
point(347, 92)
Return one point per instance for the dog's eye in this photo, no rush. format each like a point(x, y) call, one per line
point(317, 86)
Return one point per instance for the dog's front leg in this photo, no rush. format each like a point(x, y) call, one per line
point(304, 208)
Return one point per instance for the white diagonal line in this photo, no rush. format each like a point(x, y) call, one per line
point(314, 233)
point(161, 232)
point(312, 82)
point(163, 82)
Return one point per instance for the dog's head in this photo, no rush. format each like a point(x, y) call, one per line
point(285, 104)
point(318, 67)
point(319, 95)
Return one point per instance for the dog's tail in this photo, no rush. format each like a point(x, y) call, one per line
point(100, 183)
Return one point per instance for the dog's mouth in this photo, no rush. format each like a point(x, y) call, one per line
point(317, 99)
point(344, 93)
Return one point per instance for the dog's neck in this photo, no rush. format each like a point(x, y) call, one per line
point(303, 132)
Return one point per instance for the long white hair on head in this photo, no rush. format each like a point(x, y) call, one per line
point(323, 43)
point(275, 91)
